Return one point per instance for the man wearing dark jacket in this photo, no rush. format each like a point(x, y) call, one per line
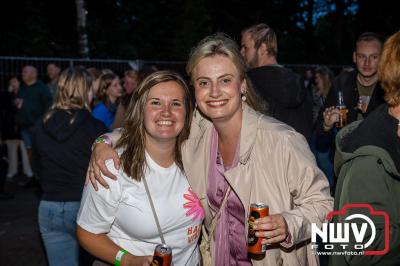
point(33, 100)
point(281, 88)
point(361, 90)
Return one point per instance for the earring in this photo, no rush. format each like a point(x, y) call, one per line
point(244, 98)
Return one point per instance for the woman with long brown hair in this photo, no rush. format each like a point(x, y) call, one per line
point(109, 92)
point(118, 225)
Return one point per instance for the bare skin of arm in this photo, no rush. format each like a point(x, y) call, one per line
point(102, 247)
point(100, 154)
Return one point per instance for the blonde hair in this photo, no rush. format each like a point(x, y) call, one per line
point(133, 136)
point(221, 44)
point(327, 77)
point(389, 70)
point(73, 87)
point(262, 33)
point(132, 74)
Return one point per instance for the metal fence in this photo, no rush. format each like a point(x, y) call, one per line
point(12, 66)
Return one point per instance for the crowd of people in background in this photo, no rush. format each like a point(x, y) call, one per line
point(27, 99)
point(51, 128)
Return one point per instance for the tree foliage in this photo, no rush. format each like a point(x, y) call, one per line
point(309, 31)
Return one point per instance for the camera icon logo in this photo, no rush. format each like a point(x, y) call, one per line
point(354, 228)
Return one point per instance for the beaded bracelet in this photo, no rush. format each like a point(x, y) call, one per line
point(102, 139)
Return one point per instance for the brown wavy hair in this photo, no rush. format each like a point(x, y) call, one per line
point(133, 135)
point(222, 44)
point(104, 83)
point(389, 70)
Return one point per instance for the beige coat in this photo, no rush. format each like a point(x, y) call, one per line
point(275, 167)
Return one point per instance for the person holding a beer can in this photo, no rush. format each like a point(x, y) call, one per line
point(237, 156)
point(118, 224)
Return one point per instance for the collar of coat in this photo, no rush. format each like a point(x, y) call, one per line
point(250, 123)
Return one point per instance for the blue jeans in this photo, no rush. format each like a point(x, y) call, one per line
point(57, 224)
point(27, 136)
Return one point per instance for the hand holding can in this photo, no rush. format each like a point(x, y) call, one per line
point(254, 241)
point(273, 228)
point(162, 256)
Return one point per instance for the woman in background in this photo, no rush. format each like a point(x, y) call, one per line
point(323, 84)
point(61, 146)
point(131, 81)
point(110, 91)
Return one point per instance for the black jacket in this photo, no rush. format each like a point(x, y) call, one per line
point(284, 92)
point(347, 83)
point(62, 152)
point(9, 128)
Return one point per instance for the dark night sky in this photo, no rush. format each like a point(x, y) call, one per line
point(166, 30)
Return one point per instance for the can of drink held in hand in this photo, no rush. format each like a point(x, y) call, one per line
point(162, 256)
point(254, 246)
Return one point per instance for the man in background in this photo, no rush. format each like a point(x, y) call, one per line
point(281, 88)
point(33, 100)
point(53, 72)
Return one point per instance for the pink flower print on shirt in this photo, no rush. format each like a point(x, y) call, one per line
point(193, 205)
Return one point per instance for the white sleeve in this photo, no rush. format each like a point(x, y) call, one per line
point(98, 208)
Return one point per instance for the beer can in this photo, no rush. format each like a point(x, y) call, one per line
point(254, 246)
point(162, 256)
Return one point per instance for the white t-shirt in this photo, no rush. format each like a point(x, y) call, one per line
point(123, 212)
